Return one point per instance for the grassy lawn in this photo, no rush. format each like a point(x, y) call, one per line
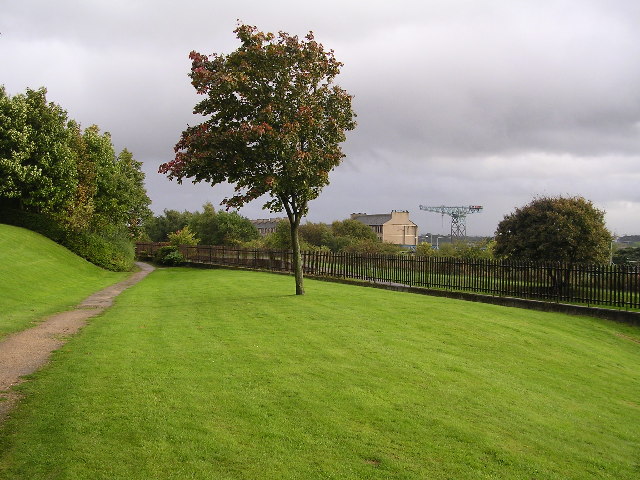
point(220, 374)
point(39, 277)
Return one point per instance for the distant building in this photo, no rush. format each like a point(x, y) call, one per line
point(394, 227)
point(266, 226)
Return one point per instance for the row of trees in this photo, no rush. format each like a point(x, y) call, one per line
point(563, 229)
point(341, 236)
point(626, 255)
point(209, 227)
point(53, 169)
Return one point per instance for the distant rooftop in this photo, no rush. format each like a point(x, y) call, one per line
point(376, 218)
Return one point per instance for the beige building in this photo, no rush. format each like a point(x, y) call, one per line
point(394, 227)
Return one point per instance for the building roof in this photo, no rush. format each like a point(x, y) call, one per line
point(266, 222)
point(401, 217)
point(377, 219)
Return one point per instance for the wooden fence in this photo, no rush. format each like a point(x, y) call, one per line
point(594, 285)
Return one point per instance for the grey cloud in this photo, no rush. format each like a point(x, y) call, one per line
point(457, 100)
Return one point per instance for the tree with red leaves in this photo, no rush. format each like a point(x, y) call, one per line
point(274, 124)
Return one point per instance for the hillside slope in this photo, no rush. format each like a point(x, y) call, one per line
point(39, 277)
point(225, 374)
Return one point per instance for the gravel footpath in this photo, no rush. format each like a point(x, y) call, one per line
point(24, 352)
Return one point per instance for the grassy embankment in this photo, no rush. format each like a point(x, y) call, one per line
point(39, 278)
point(224, 374)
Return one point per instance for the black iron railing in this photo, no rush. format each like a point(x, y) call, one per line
point(594, 285)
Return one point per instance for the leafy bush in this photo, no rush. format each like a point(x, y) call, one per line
point(370, 246)
point(353, 229)
point(173, 259)
point(168, 255)
point(425, 249)
point(183, 237)
point(626, 255)
point(113, 252)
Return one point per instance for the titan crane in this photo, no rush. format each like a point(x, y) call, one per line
point(458, 218)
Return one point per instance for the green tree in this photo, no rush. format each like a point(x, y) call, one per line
point(275, 124)
point(80, 210)
point(159, 227)
point(183, 237)
point(108, 209)
point(82, 194)
point(233, 229)
point(281, 238)
point(369, 246)
point(550, 229)
point(477, 250)
point(133, 201)
point(626, 255)
point(353, 229)
point(204, 224)
point(36, 163)
point(317, 234)
point(425, 249)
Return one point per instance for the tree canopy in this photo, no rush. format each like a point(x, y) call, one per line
point(341, 236)
point(274, 124)
point(628, 255)
point(70, 178)
point(567, 229)
point(209, 226)
point(36, 162)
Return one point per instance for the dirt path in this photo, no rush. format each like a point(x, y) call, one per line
point(25, 352)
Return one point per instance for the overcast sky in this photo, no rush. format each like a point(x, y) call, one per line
point(459, 102)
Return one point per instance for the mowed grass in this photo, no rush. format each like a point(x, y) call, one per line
point(39, 277)
point(221, 374)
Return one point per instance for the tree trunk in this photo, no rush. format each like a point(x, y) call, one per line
point(297, 259)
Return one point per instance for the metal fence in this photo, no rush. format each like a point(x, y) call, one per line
point(594, 285)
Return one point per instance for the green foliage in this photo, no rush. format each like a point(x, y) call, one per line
point(281, 238)
point(209, 226)
point(274, 127)
point(281, 139)
point(132, 195)
point(80, 210)
point(342, 236)
point(353, 229)
point(568, 229)
point(159, 227)
point(626, 255)
point(111, 250)
point(480, 250)
point(369, 246)
point(92, 201)
point(231, 229)
point(317, 234)
point(120, 199)
point(203, 224)
point(168, 255)
point(36, 163)
point(183, 237)
point(425, 249)
point(235, 229)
